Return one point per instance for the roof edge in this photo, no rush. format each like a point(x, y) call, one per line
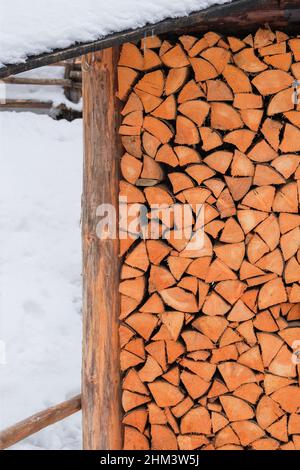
point(239, 14)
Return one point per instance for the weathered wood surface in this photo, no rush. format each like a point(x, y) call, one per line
point(41, 81)
point(240, 14)
point(100, 380)
point(26, 104)
point(38, 421)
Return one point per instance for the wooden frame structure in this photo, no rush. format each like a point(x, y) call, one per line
point(101, 405)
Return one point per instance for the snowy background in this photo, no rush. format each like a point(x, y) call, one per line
point(40, 271)
point(45, 93)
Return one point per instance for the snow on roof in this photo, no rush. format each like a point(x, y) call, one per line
point(29, 27)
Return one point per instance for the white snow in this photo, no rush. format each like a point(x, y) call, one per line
point(40, 272)
point(43, 93)
point(30, 27)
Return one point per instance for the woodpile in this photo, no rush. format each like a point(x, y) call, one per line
point(207, 335)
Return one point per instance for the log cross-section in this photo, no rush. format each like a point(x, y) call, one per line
point(101, 378)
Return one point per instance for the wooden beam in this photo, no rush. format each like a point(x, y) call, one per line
point(101, 403)
point(38, 421)
point(239, 15)
point(41, 81)
point(26, 104)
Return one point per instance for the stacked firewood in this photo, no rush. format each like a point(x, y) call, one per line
point(209, 335)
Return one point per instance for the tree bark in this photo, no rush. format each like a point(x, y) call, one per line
point(101, 405)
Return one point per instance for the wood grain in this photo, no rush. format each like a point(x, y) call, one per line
point(101, 376)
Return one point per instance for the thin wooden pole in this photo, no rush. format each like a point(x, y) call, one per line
point(41, 81)
point(38, 421)
point(102, 428)
point(26, 104)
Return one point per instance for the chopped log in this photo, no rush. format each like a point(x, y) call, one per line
point(235, 43)
point(157, 128)
point(167, 109)
point(126, 78)
point(163, 438)
point(196, 421)
point(151, 60)
point(210, 138)
point(219, 161)
point(247, 431)
point(152, 83)
point(265, 176)
point(225, 117)
point(290, 141)
point(241, 138)
point(150, 42)
point(281, 102)
point(286, 199)
point(271, 130)
point(286, 164)
point(280, 61)
point(210, 299)
point(131, 57)
point(186, 131)
point(288, 398)
point(262, 152)
point(131, 168)
point(179, 299)
point(272, 81)
point(248, 61)
point(237, 79)
point(247, 101)
point(132, 145)
point(203, 69)
point(148, 100)
point(197, 111)
point(236, 409)
point(137, 419)
point(133, 104)
point(238, 187)
point(226, 436)
point(175, 80)
point(189, 92)
point(218, 91)
point(175, 57)
point(235, 374)
point(134, 439)
point(142, 323)
point(195, 385)
point(165, 394)
point(217, 56)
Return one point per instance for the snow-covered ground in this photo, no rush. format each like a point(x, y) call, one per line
point(40, 271)
point(43, 25)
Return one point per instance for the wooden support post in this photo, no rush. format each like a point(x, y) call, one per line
point(101, 403)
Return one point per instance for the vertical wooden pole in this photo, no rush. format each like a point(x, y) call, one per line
point(101, 403)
